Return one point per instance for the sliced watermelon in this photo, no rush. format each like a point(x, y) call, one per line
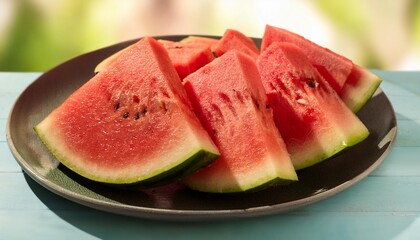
point(354, 84)
point(313, 121)
point(359, 87)
point(131, 123)
point(228, 96)
point(211, 42)
point(104, 63)
point(233, 39)
point(187, 57)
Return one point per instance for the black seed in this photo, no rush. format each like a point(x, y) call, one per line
point(144, 111)
point(164, 106)
point(116, 106)
point(311, 82)
point(125, 115)
point(256, 103)
point(267, 106)
point(178, 47)
point(137, 115)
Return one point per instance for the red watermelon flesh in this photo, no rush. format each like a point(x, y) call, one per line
point(313, 121)
point(233, 39)
point(211, 42)
point(353, 86)
point(187, 57)
point(229, 98)
point(130, 123)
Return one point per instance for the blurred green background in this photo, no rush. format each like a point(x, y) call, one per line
point(38, 34)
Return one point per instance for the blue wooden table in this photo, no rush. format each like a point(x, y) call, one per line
point(384, 205)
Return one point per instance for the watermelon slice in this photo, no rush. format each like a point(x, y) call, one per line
point(233, 39)
point(104, 63)
point(131, 123)
point(211, 42)
point(187, 57)
point(313, 121)
point(228, 96)
point(354, 84)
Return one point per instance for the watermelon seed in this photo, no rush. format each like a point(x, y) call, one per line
point(226, 100)
point(164, 106)
point(256, 103)
point(116, 106)
point(163, 93)
point(302, 101)
point(144, 111)
point(311, 82)
point(137, 115)
point(125, 115)
point(239, 96)
point(267, 106)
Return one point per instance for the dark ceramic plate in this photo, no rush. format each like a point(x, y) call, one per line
point(174, 201)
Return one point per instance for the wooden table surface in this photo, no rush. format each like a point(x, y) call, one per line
point(384, 205)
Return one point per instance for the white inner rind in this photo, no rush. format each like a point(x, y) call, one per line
point(355, 97)
point(345, 130)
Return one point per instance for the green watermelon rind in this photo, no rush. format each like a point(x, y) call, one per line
point(356, 98)
point(255, 187)
point(345, 144)
point(264, 182)
point(193, 161)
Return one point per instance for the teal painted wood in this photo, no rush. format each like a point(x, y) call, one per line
point(97, 225)
point(401, 162)
point(385, 205)
point(408, 133)
point(402, 83)
point(12, 85)
point(3, 130)
point(402, 107)
point(7, 161)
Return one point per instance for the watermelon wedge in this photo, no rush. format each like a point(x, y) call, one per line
point(187, 57)
point(353, 84)
point(229, 98)
point(313, 121)
point(104, 63)
point(132, 123)
point(211, 42)
point(233, 39)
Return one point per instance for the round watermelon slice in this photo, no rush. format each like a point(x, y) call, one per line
point(132, 123)
point(313, 121)
point(229, 98)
